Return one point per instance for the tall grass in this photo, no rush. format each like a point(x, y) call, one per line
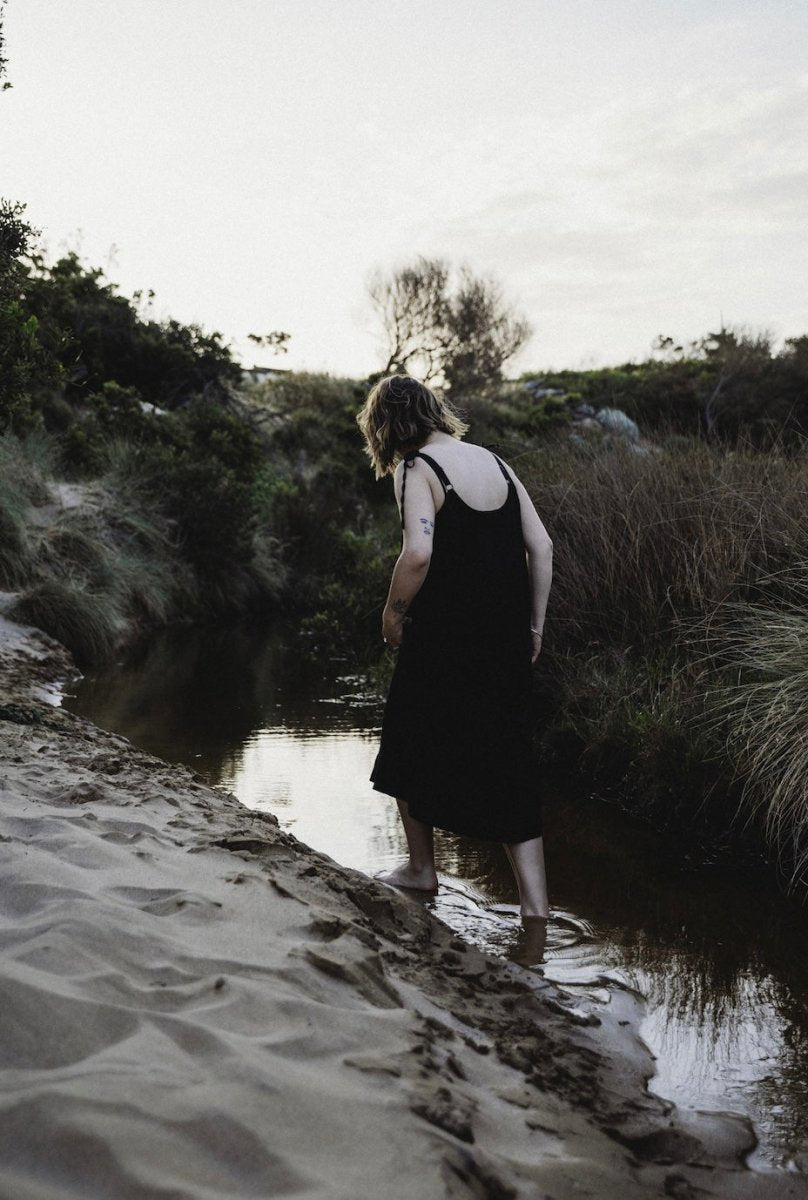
point(644, 542)
point(761, 714)
point(87, 623)
point(24, 465)
point(15, 554)
point(676, 640)
point(139, 547)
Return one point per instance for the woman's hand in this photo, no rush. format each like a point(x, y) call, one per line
point(537, 639)
point(392, 628)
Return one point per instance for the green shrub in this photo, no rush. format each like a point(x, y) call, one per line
point(153, 590)
point(200, 476)
point(94, 335)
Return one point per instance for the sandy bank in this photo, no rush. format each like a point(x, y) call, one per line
point(196, 1005)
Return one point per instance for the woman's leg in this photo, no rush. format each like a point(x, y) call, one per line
point(527, 860)
point(419, 870)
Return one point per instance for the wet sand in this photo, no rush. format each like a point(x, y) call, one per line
point(195, 1004)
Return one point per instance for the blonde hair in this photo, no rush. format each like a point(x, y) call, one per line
point(399, 415)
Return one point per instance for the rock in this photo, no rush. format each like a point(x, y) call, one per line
point(538, 391)
point(614, 420)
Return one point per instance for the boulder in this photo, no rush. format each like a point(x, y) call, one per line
point(614, 420)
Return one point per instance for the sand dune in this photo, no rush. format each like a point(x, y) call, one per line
point(195, 1005)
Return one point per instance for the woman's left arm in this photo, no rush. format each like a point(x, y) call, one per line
point(412, 565)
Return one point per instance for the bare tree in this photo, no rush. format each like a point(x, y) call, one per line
point(459, 335)
point(736, 353)
point(412, 304)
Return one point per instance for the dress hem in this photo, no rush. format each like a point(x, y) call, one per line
point(509, 836)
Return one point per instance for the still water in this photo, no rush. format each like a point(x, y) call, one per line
point(720, 957)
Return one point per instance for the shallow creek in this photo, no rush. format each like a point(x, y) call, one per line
point(720, 957)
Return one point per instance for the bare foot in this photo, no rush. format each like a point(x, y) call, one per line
point(406, 876)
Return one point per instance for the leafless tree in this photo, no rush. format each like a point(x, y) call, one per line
point(458, 333)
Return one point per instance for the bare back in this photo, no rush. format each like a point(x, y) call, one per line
point(474, 473)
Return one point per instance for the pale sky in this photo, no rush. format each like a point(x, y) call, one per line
point(623, 167)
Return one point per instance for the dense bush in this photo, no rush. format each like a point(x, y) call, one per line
point(336, 522)
point(204, 470)
point(97, 335)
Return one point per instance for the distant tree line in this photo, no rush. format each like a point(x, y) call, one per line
point(728, 387)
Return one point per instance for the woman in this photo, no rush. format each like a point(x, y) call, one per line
point(466, 610)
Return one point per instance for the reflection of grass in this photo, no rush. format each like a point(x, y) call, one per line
point(694, 984)
point(694, 940)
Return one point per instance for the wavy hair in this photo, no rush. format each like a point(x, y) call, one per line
point(398, 416)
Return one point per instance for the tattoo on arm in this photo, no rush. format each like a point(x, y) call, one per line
point(400, 606)
point(428, 526)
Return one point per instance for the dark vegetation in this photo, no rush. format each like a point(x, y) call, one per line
point(731, 386)
point(676, 658)
point(141, 484)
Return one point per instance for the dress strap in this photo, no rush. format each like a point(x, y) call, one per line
point(409, 461)
point(502, 467)
point(439, 471)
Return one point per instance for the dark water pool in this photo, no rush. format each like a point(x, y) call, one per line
point(720, 956)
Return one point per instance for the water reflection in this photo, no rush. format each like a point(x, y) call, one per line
point(720, 956)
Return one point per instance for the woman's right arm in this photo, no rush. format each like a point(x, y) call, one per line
point(412, 565)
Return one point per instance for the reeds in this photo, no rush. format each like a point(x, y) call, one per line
point(760, 711)
point(677, 633)
point(644, 541)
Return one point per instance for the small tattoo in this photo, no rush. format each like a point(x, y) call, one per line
point(400, 606)
point(428, 525)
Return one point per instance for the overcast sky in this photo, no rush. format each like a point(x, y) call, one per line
point(623, 167)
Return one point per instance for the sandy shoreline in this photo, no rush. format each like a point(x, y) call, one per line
point(195, 1004)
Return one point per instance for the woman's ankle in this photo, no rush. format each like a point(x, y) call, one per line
point(535, 911)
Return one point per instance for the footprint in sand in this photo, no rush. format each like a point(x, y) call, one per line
point(167, 902)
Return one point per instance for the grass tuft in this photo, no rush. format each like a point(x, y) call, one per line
point(87, 623)
point(760, 713)
point(15, 553)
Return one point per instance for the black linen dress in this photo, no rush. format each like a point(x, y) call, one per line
point(455, 741)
